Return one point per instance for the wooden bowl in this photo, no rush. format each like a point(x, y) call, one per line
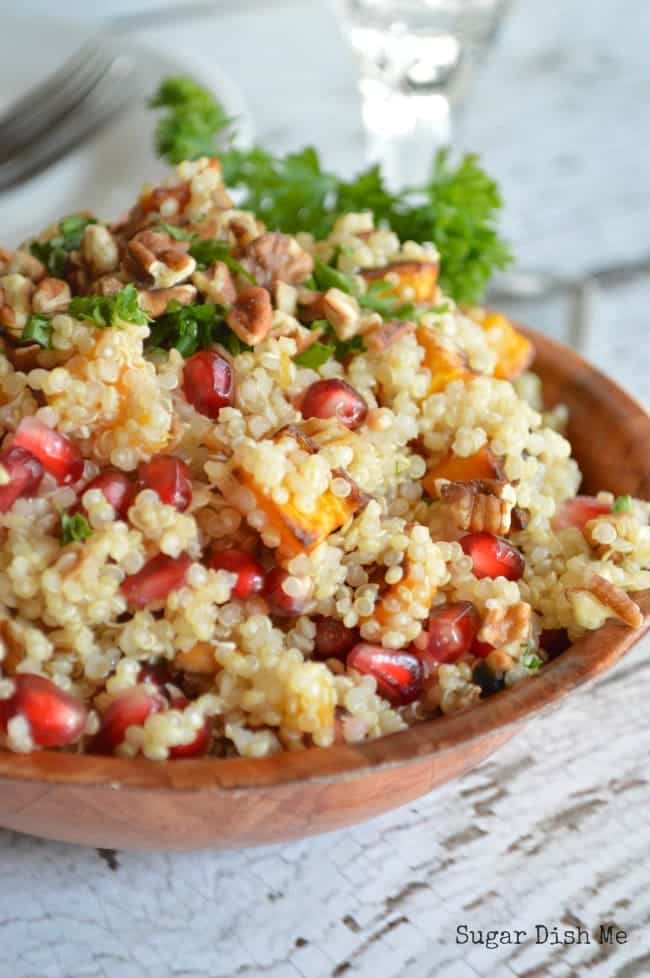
point(140, 804)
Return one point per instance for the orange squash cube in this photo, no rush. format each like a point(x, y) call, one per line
point(514, 351)
point(481, 465)
point(410, 281)
point(444, 364)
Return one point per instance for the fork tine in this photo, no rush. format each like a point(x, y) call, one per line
point(112, 94)
point(17, 135)
point(42, 92)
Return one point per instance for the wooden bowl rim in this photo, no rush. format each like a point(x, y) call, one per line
point(591, 655)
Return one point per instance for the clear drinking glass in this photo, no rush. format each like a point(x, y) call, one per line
point(417, 59)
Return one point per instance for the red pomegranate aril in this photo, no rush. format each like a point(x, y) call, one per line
point(493, 556)
point(250, 573)
point(578, 511)
point(129, 709)
point(481, 649)
point(334, 399)
point(283, 604)
point(118, 489)
point(554, 641)
point(450, 633)
point(208, 382)
point(57, 454)
point(158, 577)
point(201, 742)
point(399, 674)
point(25, 473)
point(333, 639)
point(54, 717)
point(170, 477)
point(158, 676)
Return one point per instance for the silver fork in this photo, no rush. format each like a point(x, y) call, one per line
point(90, 87)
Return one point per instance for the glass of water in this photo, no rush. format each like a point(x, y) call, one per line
point(417, 59)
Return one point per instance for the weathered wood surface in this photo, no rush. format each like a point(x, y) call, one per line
point(555, 829)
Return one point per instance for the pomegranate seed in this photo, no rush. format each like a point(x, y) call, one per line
point(159, 676)
point(481, 649)
point(333, 639)
point(158, 577)
point(334, 399)
point(170, 477)
point(281, 603)
point(555, 641)
point(493, 556)
point(208, 382)
point(250, 574)
point(117, 488)
point(450, 632)
point(399, 675)
point(25, 473)
point(56, 453)
point(129, 709)
point(55, 718)
point(577, 512)
point(201, 743)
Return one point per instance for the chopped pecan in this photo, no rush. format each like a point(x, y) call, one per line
point(382, 337)
point(155, 301)
point(617, 600)
point(99, 250)
point(160, 257)
point(106, 285)
point(506, 626)
point(21, 263)
point(479, 505)
point(274, 257)
point(311, 305)
point(50, 296)
point(342, 311)
point(216, 284)
point(520, 518)
point(251, 316)
point(15, 302)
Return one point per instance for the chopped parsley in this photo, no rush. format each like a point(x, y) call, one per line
point(328, 346)
point(377, 298)
point(326, 277)
point(119, 309)
point(191, 120)
point(456, 208)
point(622, 504)
point(207, 252)
point(530, 660)
point(74, 529)
point(178, 234)
point(191, 328)
point(54, 252)
point(38, 330)
point(315, 355)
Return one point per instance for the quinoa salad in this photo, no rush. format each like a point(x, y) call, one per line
point(260, 492)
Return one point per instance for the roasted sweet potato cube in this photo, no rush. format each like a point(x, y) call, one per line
point(481, 465)
point(410, 281)
point(301, 531)
point(515, 352)
point(444, 364)
point(397, 599)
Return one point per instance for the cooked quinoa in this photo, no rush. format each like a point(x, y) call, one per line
point(260, 493)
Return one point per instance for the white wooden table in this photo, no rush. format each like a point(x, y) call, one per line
point(555, 830)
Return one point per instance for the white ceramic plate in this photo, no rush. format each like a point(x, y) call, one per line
point(106, 173)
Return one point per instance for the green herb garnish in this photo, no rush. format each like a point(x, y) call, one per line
point(207, 252)
point(178, 234)
point(315, 355)
point(55, 251)
point(326, 277)
point(191, 328)
point(191, 121)
point(74, 529)
point(377, 298)
point(38, 329)
point(530, 660)
point(118, 309)
point(622, 504)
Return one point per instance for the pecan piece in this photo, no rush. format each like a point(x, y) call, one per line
point(479, 505)
point(343, 313)
point(216, 284)
point(504, 626)
point(106, 285)
point(21, 263)
point(15, 302)
point(311, 306)
point(99, 250)
point(617, 600)
point(51, 295)
point(251, 316)
point(159, 257)
point(155, 301)
point(384, 336)
point(274, 257)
